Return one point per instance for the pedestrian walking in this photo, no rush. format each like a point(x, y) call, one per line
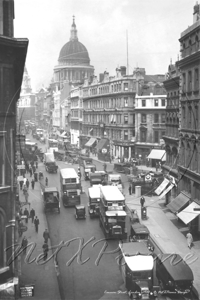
point(46, 236)
point(26, 213)
point(33, 168)
point(33, 184)
point(36, 164)
point(46, 181)
point(36, 223)
point(24, 180)
point(142, 201)
point(189, 239)
point(32, 214)
point(31, 172)
point(130, 189)
point(26, 195)
point(21, 184)
point(24, 244)
point(45, 251)
point(27, 183)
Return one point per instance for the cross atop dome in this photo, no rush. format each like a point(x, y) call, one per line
point(73, 31)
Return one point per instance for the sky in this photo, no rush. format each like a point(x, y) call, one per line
point(150, 28)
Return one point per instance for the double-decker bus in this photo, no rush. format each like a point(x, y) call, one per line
point(112, 214)
point(39, 131)
point(30, 146)
point(70, 187)
point(52, 143)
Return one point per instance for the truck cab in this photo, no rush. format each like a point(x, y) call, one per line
point(94, 201)
point(88, 169)
point(115, 180)
point(136, 266)
point(49, 162)
point(98, 177)
point(51, 199)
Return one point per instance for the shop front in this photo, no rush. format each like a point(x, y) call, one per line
point(123, 150)
point(191, 216)
point(157, 156)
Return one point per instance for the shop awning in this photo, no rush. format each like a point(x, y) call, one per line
point(158, 154)
point(64, 134)
point(188, 214)
point(179, 203)
point(101, 143)
point(91, 142)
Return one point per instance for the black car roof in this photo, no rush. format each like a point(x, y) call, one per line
point(176, 267)
point(140, 228)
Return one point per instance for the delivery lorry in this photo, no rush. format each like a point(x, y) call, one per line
point(49, 162)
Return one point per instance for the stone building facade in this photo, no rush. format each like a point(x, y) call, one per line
point(171, 136)
point(189, 65)
point(108, 113)
point(76, 101)
point(13, 54)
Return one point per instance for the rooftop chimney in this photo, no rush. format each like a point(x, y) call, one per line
point(196, 14)
point(123, 70)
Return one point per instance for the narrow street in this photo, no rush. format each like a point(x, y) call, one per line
point(79, 280)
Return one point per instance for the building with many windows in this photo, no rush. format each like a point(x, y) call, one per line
point(13, 53)
point(171, 136)
point(150, 106)
point(108, 114)
point(76, 115)
point(189, 162)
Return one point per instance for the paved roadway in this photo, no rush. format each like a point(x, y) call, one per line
point(79, 280)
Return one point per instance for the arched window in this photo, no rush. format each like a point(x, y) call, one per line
point(188, 158)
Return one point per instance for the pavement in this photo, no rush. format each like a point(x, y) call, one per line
point(39, 273)
point(166, 231)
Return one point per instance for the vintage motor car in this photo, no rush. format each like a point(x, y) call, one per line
point(80, 212)
point(94, 201)
point(140, 233)
point(88, 169)
point(98, 177)
point(51, 199)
